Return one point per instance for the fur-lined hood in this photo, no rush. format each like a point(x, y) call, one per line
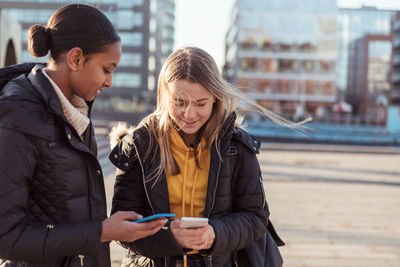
point(120, 131)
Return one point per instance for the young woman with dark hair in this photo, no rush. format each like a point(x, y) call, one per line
point(52, 203)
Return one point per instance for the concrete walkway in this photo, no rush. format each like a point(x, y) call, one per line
point(331, 208)
point(335, 209)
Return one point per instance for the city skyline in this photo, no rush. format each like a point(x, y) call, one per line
point(193, 28)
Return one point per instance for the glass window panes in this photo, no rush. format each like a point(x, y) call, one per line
point(131, 38)
point(152, 63)
point(130, 60)
point(129, 3)
point(121, 79)
point(127, 19)
point(152, 44)
point(32, 16)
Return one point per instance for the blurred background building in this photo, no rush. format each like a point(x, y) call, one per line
point(282, 54)
point(393, 117)
point(364, 62)
point(146, 28)
point(297, 58)
point(10, 40)
point(353, 24)
point(395, 94)
point(369, 73)
point(302, 58)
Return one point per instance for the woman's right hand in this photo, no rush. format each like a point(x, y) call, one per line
point(117, 227)
point(193, 238)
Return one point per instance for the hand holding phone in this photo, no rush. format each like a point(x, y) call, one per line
point(192, 222)
point(194, 233)
point(155, 217)
point(119, 227)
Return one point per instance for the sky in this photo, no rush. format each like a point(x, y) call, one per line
point(204, 23)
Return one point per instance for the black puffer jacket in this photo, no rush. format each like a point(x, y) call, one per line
point(237, 212)
point(52, 198)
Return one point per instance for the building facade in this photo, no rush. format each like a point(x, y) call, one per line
point(393, 114)
point(353, 24)
point(395, 92)
point(10, 40)
point(282, 54)
point(369, 77)
point(146, 28)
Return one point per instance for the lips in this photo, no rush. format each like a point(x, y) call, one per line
point(190, 123)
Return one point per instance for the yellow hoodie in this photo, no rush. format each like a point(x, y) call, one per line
point(187, 190)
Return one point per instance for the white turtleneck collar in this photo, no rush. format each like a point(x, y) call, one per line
point(76, 111)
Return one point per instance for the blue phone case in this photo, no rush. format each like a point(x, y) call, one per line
point(156, 216)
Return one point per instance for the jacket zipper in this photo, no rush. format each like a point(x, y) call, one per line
point(81, 257)
point(143, 177)
point(209, 257)
point(215, 189)
point(262, 190)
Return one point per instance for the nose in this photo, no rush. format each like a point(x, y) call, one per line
point(108, 81)
point(190, 113)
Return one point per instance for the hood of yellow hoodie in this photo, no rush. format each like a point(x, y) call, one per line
point(187, 190)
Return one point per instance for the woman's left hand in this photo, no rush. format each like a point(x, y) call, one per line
point(194, 238)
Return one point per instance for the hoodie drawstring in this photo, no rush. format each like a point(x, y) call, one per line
point(194, 184)
point(184, 183)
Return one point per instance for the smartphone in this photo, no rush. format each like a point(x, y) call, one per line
point(156, 216)
point(193, 222)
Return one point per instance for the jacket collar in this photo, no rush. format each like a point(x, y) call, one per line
point(228, 127)
point(11, 72)
point(45, 89)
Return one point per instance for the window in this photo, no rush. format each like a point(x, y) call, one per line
point(127, 80)
point(152, 63)
point(151, 82)
point(129, 3)
point(284, 86)
point(29, 15)
point(131, 60)
point(308, 66)
point(287, 65)
point(126, 19)
point(269, 65)
point(152, 44)
point(247, 64)
point(131, 38)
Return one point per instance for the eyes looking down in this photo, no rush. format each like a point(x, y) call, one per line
point(190, 105)
point(96, 72)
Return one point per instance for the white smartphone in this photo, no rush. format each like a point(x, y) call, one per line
point(193, 222)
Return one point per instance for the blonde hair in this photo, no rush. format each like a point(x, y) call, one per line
point(194, 65)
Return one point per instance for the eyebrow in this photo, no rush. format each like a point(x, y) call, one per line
point(196, 100)
point(201, 99)
point(113, 64)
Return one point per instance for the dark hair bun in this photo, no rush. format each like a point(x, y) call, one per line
point(38, 40)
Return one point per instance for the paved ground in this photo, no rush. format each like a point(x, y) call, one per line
point(331, 208)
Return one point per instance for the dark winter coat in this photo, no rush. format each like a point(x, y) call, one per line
point(237, 212)
point(52, 199)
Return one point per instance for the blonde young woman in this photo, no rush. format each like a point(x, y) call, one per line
point(179, 159)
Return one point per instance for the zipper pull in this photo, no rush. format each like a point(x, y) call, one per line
point(210, 259)
point(81, 257)
point(185, 260)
